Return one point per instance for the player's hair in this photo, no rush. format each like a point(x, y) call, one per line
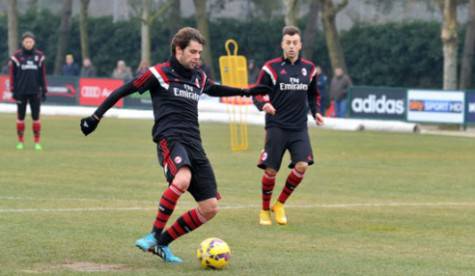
point(290, 30)
point(183, 37)
point(28, 34)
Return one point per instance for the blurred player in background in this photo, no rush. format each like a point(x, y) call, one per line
point(294, 91)
point(175, 87)
point(28, 85)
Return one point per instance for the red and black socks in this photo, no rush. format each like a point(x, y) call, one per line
point(20, 130)
point(268, 183)
point(36, 131)
point(165, 208)
point(293, 180)
point(186, 223)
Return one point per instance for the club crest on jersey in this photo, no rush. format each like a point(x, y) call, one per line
point(177, 159)
point(304, 72)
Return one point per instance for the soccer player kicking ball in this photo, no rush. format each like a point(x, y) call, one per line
point(294, 90)
point(175, 87)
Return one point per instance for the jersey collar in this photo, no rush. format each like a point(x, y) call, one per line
point(287, 61)
point(180, 69)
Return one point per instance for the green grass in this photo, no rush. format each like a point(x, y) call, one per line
point(116, 167)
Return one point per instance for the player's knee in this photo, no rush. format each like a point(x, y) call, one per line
point(301, 167)
point(182, 179)
point(271, 172)
point(209, 210)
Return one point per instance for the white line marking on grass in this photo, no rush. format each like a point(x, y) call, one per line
point(233, 207)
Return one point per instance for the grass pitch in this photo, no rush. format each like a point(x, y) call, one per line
point(375, 204)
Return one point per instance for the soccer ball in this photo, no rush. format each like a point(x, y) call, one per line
point(213, 253)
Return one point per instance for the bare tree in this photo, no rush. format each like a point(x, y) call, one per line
point(174, 20)
point(449, 41)
point(145, 32)
point(83, 20)
point(291, 12)
point(64, 30)
point(311, 28)
point(329, 12)
point(202, 22)
point(468, 49)
point(12, 26)
point(145, 12)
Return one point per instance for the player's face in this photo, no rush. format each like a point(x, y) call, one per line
point(291, 45)
point(28, 43)
point(190, 57)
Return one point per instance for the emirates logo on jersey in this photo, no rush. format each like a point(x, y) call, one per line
point(304, 72)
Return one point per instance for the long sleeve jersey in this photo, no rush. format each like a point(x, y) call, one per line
point(175, 92)
point(28, 73)
point(294, 92)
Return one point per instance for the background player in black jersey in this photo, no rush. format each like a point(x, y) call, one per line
point(28, 85)
point(294, 91)
point(175, 87)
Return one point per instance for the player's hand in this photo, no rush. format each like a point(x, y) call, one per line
point(319, 119)
point(89, 124)
point(43, 97)
point(257, 90)
point(269, 108)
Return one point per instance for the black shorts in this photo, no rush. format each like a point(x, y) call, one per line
point(174, 154)
point(278, 140)
point(35, 103)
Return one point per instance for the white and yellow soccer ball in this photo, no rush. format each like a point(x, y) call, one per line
point(213, 253)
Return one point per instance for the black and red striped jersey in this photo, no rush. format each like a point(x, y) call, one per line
point(28, 72)
point(175, 92)
point(294, 92)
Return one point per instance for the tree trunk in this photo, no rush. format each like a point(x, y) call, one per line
point(12, 26)
point(64, 30)
point(83, 19)
point(174, 21)
point(335, 51)
point(145, 31)
point(311, 28)
point(449, 42)
point(468, 50)
point(202, 22)
point(291, 14)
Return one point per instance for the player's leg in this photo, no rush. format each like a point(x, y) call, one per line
point(270, 160)
point(204, 190)
point(176, 164)
point(301, 155)
point(268, 183)
point(35, 104)
point(20, 122)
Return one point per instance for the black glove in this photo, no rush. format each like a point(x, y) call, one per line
point(257, 90)
point(43, 97)
point(89, 124)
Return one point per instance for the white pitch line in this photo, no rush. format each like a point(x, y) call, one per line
point(233, 207)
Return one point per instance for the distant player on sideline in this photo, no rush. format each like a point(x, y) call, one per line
point(28, 85)
point(175, 87)
point(294, 83)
